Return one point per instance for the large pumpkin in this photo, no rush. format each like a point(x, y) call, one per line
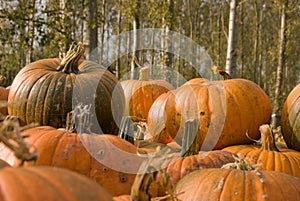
point(48, 183)
point(230, 184)
point(140, 94)
point(229, 112)
point(46, 90)
point(268, 156)
point(290, 124)
point(107, 159)
point(177, 167)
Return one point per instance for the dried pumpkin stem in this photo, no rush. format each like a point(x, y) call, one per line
point(127, 129)
point(78, 120)
point(190, 144)
point(10, 135)
point(69, 64)
point(240, 164)
point(144, 74)
point(267, 138)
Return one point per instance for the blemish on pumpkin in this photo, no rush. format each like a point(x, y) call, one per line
point(105, 169)
point(264, 196)
point(122, 178)
point(219, 186)
point(202, 113)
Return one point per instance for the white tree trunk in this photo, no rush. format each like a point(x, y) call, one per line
point(232, 40)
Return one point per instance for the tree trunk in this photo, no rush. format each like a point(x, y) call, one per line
point(281, 62)
point(30, 32)
point(90, 27)
point(231, 59)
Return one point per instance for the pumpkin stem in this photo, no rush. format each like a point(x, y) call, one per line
point(10, 136)
point(78, 120)
point(240, 164)
point(144, 74)
point(152, 182)
point(189, 142)
point(224, 74)
point(69, 64)
point(127, 129)
point(267, 138)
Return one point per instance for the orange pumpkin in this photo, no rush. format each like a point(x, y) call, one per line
point(230, 184)
point(48, 183)
point(46, 90)
point(177, 167)
point(106, 159)
point(290, 124)
point(229, 112)
point(268, 156)
point(140, 94)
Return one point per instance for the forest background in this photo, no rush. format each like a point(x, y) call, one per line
point(265, 39)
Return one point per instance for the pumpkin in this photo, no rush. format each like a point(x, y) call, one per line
point(177, 167)
point(156, 120)
point(46, 90)
point(268, 155)
point(140, 94)
point(229, 112)
point(48, 183)
point(230, 184)
point(107, 159)
point(3, 100)
point(290, 125)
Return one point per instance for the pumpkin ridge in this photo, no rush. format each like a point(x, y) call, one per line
point(61, 135)
point(230, 95)
point(50, 183)
point(41, 93)
point(50, 99)
point(14, 177)
point(296, 115)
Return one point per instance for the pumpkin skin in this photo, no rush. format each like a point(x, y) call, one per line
point(140, 94)
point(42, 94)
point(230, 184)
point(63, 149)
point(48, 183)
point(268, 155)
point(3, 100)
point(156, 120)
point(178, 167)
point(290, 125)
point(285, 160)
point(227, 111)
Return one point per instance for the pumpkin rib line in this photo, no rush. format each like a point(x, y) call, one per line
point(60, 135)
point(41, 96)
point(50, 99)
point(17, 178)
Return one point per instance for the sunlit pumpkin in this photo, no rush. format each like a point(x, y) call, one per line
point(48, 183)
point(229, 112)
point(140, 94)
point(106, 159)
point(46, 90)
point(290, 124)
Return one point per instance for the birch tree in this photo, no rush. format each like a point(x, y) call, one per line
point(231, 58)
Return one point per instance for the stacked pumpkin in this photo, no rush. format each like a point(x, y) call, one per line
point(46, 91)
